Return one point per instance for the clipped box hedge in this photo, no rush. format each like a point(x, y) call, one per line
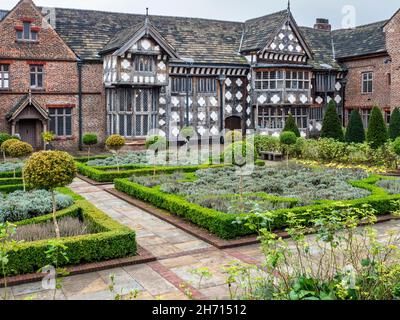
point(112, 241)
point(222, 224)
point(110, 173)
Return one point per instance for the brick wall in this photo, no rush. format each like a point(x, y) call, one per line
point(392, 32)
point(381, 90)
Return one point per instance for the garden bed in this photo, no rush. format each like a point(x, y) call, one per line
point(107, 240)
point(337, 191)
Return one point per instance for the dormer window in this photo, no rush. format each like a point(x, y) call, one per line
point(144, 64)
point(27, 32)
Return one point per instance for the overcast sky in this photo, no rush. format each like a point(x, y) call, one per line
point(304, 11)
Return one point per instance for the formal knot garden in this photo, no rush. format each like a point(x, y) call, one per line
point(327, 186)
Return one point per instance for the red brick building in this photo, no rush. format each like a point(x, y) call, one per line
point(77, 71)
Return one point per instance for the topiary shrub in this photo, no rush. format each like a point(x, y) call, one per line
point(20, 150)
point(394, 126)
point(6, 145)
point(156, 143)
point(355, 132)
point(377, 134)
point(288, 139)
point(50, 170)
point(47, 137)
point(291, 126)
point(332, 127)
point(89, 140)
point(114, 143)
point(4, 137)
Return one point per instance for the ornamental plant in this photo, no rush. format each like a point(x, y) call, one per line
point(89, 139)
point(114, 143)
point(332, 127)
point(47, 137)
point(288, 139)
point(394, 126)
point(20, 150)
point(355, 132)
point(50, 170)
point(6, 145)
point(188, 133)
point(4, 137)
point(377, 134)
point(291, 126)
point(156, 143)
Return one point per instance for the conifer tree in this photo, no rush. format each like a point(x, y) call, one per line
point(332, 126)
point(355, 132)
point(377, 134)
point(291, 126)
point(394, 126)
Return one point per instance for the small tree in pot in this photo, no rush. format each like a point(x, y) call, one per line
point(47, 137)
point(114, 143)
point(288, 139)
point(89, 140)
point(50, 170)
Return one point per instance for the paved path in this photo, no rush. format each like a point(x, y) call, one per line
point(166, 279)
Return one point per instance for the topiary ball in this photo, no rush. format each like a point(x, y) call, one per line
point(237, 153)
point(6, 144)
point(187, 132)
point(49, 170)
point(19, 149)
point(90, 139)
point(156, 142)
point(115, 142)
point(288, 138)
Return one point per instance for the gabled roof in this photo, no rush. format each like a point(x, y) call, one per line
point(124, 40)
point(362, 40)
point(259, 31)
point(22, 104)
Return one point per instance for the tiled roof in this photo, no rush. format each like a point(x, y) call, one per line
point(206, 41)
point(362, 40)
point(259, 31)
point(87, 32)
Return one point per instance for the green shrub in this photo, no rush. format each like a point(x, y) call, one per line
point(19, 149)
point(355, 132)
point(288, 138)
point(377, 134)
point(50, 169)
point(332, 127)
point(394, 126)
point(6, 145)
point(396, 146)
point(4, 137)
point(291, 126)
point(115, 142)
point(156, 142)
point(113, 241)
point(187, 132)
point(90, 139)
point(264, 143)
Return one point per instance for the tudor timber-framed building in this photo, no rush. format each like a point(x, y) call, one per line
point(77, 71)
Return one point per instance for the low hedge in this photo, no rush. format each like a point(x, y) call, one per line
point(222, 224)
point(107, 174)
point(86, 159)
point(10, 174)
point(10, 181)
point(112, 241)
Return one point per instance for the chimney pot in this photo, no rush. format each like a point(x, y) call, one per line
point(322, 24)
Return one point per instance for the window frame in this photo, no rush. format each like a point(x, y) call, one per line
point(144, 62)
point(367, 81)
point(206, 85)
point(282, 80)
point(180, 84)
point(27, 33)
point(55, 116)
point(36, 74)
point(2, 76)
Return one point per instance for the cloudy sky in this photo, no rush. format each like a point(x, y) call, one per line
point(340, 12)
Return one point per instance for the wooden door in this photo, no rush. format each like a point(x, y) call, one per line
point(27, 131)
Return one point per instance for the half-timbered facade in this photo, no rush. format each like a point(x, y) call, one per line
point(128, 74)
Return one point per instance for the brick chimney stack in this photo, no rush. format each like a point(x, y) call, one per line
point(322, 24)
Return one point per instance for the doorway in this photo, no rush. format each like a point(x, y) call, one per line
point(28, 131)
point(233, 123)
